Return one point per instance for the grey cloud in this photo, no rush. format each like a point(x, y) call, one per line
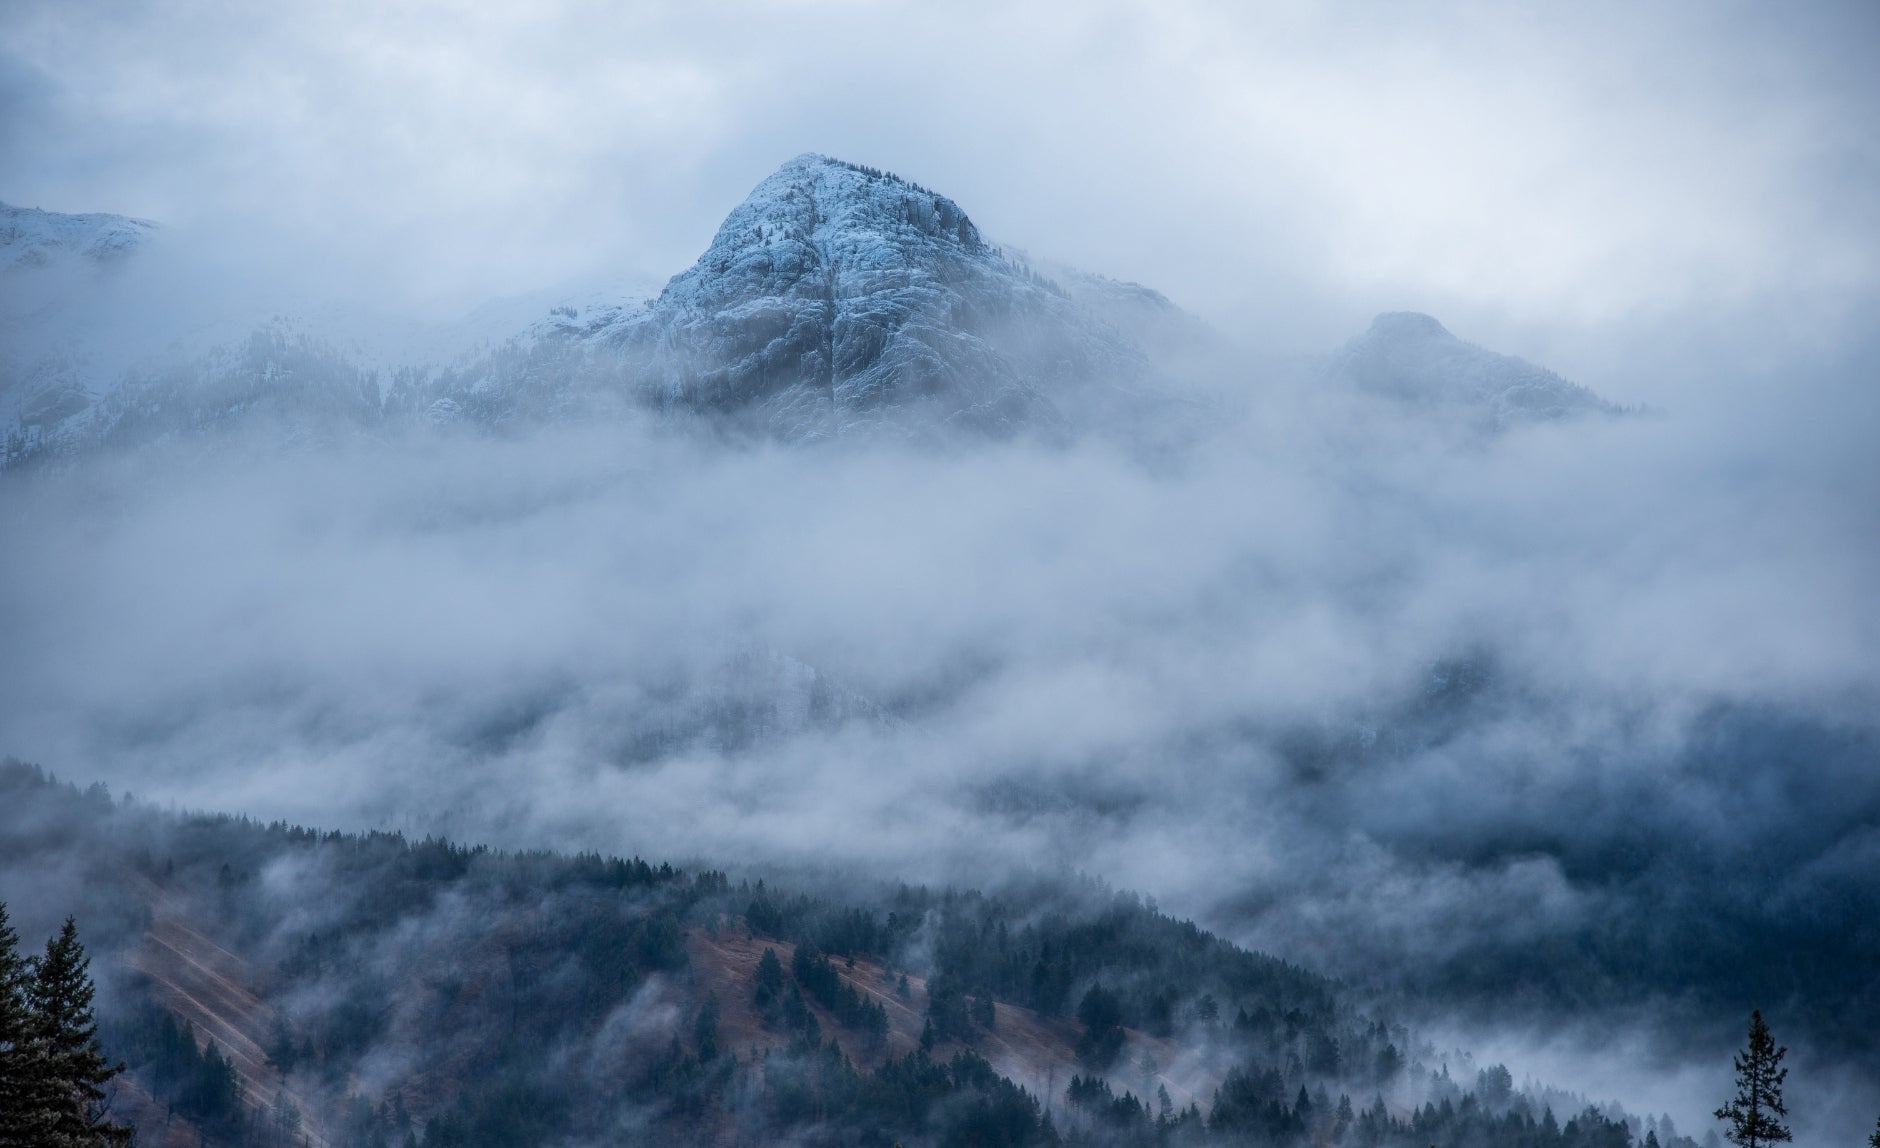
point(1287, 171)
point(1421, 712)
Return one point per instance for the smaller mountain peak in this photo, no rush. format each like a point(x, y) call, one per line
point(1408, 324)
point(1408, 355)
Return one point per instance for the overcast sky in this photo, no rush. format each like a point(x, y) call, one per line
point(1667, 175)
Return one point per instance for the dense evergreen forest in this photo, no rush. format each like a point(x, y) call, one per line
point(381, 991)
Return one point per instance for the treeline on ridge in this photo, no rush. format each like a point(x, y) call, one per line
point(532, 998)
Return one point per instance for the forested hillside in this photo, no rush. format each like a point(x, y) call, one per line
point(271, 984)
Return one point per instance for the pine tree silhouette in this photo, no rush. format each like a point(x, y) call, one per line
point(68, 1070)
point(1755, 1113)
point(15, 1036)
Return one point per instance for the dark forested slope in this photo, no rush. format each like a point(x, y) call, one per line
point(272, 984)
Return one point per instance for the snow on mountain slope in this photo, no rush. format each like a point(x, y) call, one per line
point(836, 300)
point(54, 269)
point(32, 239)
point(1413, 358)
point(1143, 314)
point(837, 297)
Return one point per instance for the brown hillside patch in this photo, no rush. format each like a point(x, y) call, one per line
point(211, 988)
point(216, 990)
point(1036, 1051)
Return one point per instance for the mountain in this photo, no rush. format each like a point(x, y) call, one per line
point(1413, 359)
point(54, 268)
point(839, 299)
point(835, 300)
point(32, 239)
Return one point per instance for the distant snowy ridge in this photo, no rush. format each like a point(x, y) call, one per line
point(835, 301)
point(31, 238)
point(1412, 358)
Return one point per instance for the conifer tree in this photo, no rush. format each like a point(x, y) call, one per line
point(69, 1070)
point(15, 1035)
point(705, 1029)
point(769, 977)
point(1874, 1140)
point(1755, 1113)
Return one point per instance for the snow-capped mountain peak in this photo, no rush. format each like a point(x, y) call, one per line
point(837, 297)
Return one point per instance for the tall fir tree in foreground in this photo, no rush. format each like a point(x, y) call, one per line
point(64, 1071)
point(1755, 1113)
point(1874, 1140)
point(15, 1036)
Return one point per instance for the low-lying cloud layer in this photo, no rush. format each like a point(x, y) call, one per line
point(1468, 717)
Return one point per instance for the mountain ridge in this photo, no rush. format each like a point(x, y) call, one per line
point(836, 300)
point(32, 238)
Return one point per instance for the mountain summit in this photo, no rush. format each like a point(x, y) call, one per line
point(837, 297)
point(1409, 356)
